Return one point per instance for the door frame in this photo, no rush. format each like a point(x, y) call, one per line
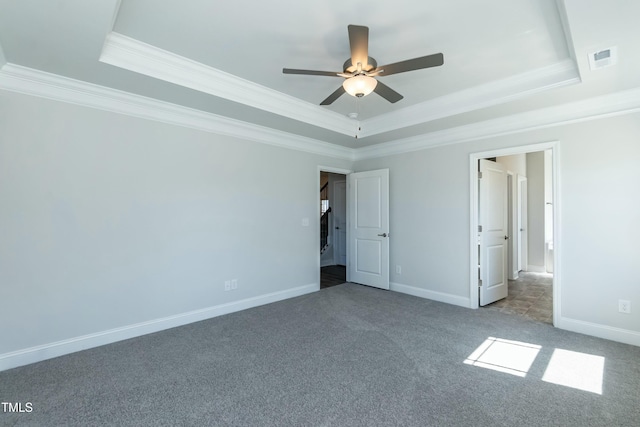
point(554, 146)
point(340, 171)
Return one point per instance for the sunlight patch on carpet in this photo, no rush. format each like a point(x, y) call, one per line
point(511, 357)
point(576, 370)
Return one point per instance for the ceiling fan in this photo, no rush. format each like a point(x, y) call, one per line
point(359, 70)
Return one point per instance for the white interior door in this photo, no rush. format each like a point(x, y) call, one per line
point(522, 223)
point(493, 233)
point(512, 264)
point(340, 222)
point(368, 241)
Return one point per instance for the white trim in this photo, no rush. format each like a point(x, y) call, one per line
point(133, 55)
point(618, 103)
point(473, 220)
point(556, 154)
point(116, 11)
point(60, 348)
point(46, 85)
point(28, 81)
point(601, 331)
point(566, 28)
point(561, 74)
point(331, 169)
point(432, 295)
point(536, 268)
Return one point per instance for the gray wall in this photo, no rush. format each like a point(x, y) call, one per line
point(108, 221)
point(2, 58)
point(599, 216)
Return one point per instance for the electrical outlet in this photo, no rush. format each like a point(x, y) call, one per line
point(227, 285)
point(398, 269)
point(234, 284)
point(624, 306)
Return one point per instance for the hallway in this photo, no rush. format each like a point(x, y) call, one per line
point(530, 296)
point(332, 275)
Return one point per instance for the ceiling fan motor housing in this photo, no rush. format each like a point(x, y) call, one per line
point(349, 67)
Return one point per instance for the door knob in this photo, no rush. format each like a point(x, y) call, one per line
point(383, 235)
point(506, 237)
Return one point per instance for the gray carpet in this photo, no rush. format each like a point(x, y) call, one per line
point(345, 356)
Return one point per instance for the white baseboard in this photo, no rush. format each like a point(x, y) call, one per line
point(60, 348)
point(536, 268)
point(625, 336)
point(432, 295)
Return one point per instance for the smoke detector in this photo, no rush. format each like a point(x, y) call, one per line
point(603, 58)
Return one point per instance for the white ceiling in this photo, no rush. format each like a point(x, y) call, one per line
point(226, 58)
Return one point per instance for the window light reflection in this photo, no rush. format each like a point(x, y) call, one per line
point(576, 370)
point(511, 357)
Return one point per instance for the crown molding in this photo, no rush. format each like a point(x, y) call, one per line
point(133, 55)
point(563, 73)
point(33, 82)
point(614, 104)
point(28, 81)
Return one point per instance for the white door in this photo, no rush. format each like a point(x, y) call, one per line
point(512, 263)
point(340, 222)
point(522, 223)
point(493, 232)
point(368, 242)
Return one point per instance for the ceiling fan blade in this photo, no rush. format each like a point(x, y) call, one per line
point(359, 43)
point(335, 95)
point(310, 72)
point(387, 93)
point(428, 61)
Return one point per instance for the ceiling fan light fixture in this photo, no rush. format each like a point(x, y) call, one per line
point(359, 86)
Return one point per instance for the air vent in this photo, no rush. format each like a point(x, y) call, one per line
point(603, 58)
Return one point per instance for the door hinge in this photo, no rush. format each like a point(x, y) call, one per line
point(479, 175)
point(479, 229)
point(480, 283)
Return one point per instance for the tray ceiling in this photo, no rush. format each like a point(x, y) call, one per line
point(226, 58)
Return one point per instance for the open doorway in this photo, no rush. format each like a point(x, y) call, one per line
point(333, 228)
point(356, 236)
point(529, 180)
